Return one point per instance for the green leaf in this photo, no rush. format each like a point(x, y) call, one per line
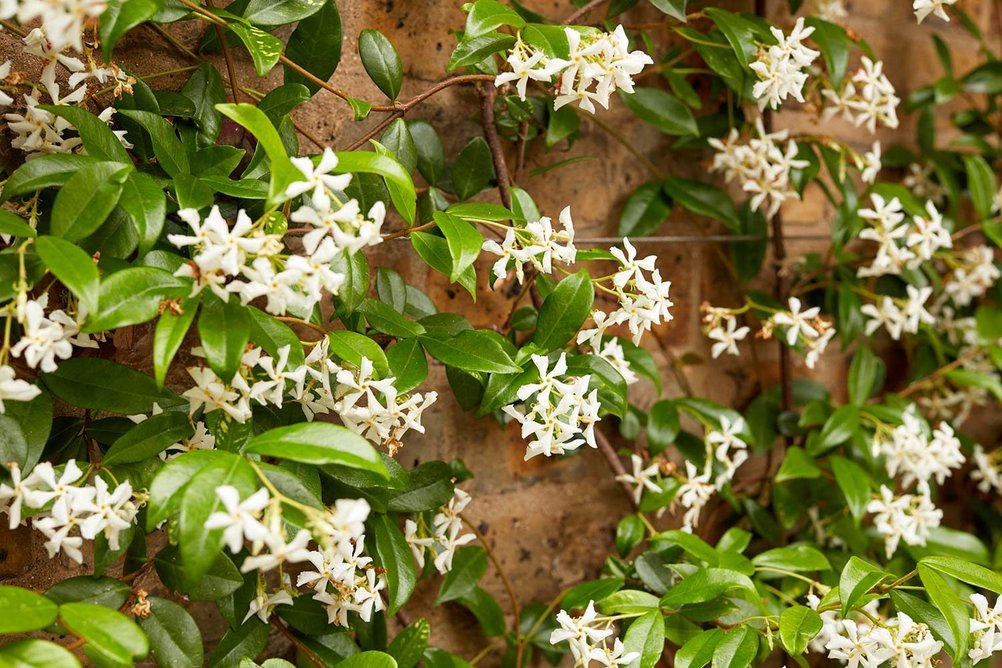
point(854, 483)
point(264, 49)
point(15, 226)
point(272, 334)
point(952, 607)
point(646, 209)
point(661, 110)
point(742, 34)
point(145, 203)
point(104, 591)
point(463, 239)
point(384, 318)
point(95, 134)
point(673, 8)
point(205, 89)
point(473, 169)
point(25, 610)
point(488, 15)
point(201, 547)
point(564, 311)
point(916, 608)
point(865, 375)
point(428, 487)
point(835, 44)
point(73, 267)
point(111, 635)
point(972, 574)
point(368, 660)
point(221, 580)
point(119, 17)
point(797, 627)
point(352, 347)
point(175, 639)
point(468, 565)
point(394, 555)
point(381, 62)
point(628, 601)
point(86, 199)
point(170, 153)
point(30, 653)
point(318, 443)
point(471, 350)
point(397, 139)
point(283, 172)
point(134, 295)
point(698, 650)
point(984, 381)
point(578, 596)
point(246, 641)
point(315, 45)
point(486, 609)
point(646, 636)
point(857, 578)
point(663, 424)
point(981, 184)
point(149, 438)
point(280, 12)
point(629, 533)
point(398, 181)
point(169, 335)
point(736, 649)
point(430, 153)
point(797, 465)
point(694, 545)
point(410, 644)
point(474, 49)
point(98, 384)
point(793, 558)
point(408, 364)
point(842, 425)
point(165, 489)
point(703, 199)
point(224, 329)
point(45, 172)
point(435, 251)
point(26, 426)
point(705, 585)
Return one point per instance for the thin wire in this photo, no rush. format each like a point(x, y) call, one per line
point(682, 239)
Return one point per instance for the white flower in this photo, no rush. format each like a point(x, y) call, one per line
point(579, 632)
point(727, 339)
point(43, 340)
point(279, 552)
point(693, 494)
point(860, 645)
point(264, 602)
point(318, 179)
point(629, 266)
point(798, 323)
point(614, 657)
point(868, 98)
point(986, 628)
point(239, 520)
point(908, 517)
point(526, 63)
point(871, 164)
point(923, 8)
point(536, 243)
point(14, 389)
point(642, 478)
point(110, 512)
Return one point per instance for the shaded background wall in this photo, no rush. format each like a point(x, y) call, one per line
point(550, 522)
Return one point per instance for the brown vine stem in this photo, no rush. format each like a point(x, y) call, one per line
point(676, 367)
point(617, 466)
point(515, 609)
point(918, 384)
point(304, 323)
point(594, 4)
point(307, 652)
point(488, 94)
point(231, 69)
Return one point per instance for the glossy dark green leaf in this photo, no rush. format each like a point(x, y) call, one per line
point(408, 364)
point(170, 153)
point(854, 483)
point(488, 15)
point(25, 610)
point(473, 169)
point(646, 636)
point(468, 565)
point(464, 242)
point(280, 12)
point(46, 171)
point(95, 134)
point(315, 45)
point(224, 329)
point(110, 634)
point(205, 89)
point(132, 296)
point(646, 209)
point(86, 199)
point(175, 639)
point(661, 110)
point(119, 17)
point(703, 199)
point(381, 62)
point(246, 641)
point(471, 350)
point(430, 154)
point(673, 8)
point(31, 652)
point(384, 318)
point(318, 443)
point(222, 579)
point(253, 119)
point(264, 49)
point(797, 626)
point(97, 384)
point(486, 609)
point(474, 49)
point(149, 438)
point(434, 250)
point(394, 555)
point(353, 347)
point(172, 326)
point(73, 267)
point(835, 44)
point(564, 311)
point(856, 579)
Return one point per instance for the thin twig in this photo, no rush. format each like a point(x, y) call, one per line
point(919, 383)
point(307, 652)
point(583, 10)
point(616, 465)
point(615, 134)
point(676, 367)
point(488, 94)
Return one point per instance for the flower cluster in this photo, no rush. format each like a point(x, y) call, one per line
point(987, 471)
point(899, 316)
point(986, 628)
point(371, 407)
point(48, 337)
point(445, 535)
point(907, 517)
point(869, 641)
point(974, 273)
point(344, 580)
point(37, 131)
point(597, 59)
point(558, 412)
point(832, 11)
point(694, 493)
point(781, 68)
point(643, 298)
point(901, 246)
point(201, 438)
point(642, 478)
point(588, 637)
point(867, 98)
point(535, 243)
point(803, 326)
point(909, 452)
point(65, 501)
point(761, 165)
